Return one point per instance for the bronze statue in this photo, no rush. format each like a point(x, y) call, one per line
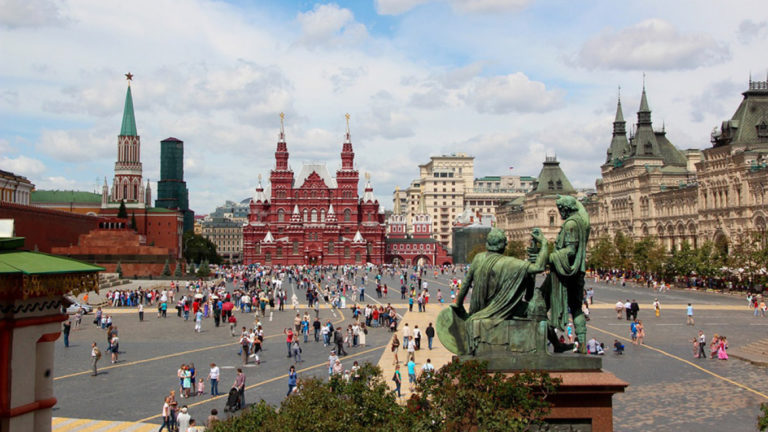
point(509, 318)
point(563, 288)
point(501, 285)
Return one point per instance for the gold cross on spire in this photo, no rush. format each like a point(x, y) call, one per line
point(368, 176)
point(282, 117)
point(347, 116)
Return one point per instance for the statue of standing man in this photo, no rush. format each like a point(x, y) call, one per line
point(563, 288)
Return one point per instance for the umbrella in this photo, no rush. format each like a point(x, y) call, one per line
point(214, 297)
point(198, 296)
point(228, 306)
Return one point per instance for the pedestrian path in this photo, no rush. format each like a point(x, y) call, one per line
point(63, 424)
point(679, 306)
point(755, 353)
point(439, 354)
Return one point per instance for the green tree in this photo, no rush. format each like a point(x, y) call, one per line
point(191, 268)
point(624, 246)
point(119, 270)
point(203, 270)
point(474, 251)
point(516, 248)
point(464, 396)
point(198, 248)
point(122, 213)
point(682, 262)
point(602, 256)
point(177, 272)
point(133, 221)
point(166, 268)
point(461, 396)
point(648, 255)
point(708, 261)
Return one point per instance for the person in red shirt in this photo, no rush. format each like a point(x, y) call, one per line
point(288, 339)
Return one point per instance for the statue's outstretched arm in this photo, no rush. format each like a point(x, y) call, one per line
point(542, 257)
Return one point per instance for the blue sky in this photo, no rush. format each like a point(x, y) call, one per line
point(507, 81)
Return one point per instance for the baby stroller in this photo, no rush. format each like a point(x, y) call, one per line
point(233, 400)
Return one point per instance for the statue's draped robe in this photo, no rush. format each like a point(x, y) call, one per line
point(567, 272)
point(499, 290)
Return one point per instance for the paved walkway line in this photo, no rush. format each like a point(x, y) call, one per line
point(660, 351)
point(162, 357)
point(270, 380)
point(439, 355)
point(149, 310)
point(678, 306)
point(63, 424)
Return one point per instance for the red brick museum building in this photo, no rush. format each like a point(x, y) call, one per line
point(314, 218)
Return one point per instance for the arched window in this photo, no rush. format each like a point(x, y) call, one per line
point(330, 247)
point(295, 247)
point(268, 257)
point(346, 252)
point(314, 215)
point(305, 215)
point(357, 257)
point(347, 215)
point(279, 252)
point(281, 215)
point(322, 215)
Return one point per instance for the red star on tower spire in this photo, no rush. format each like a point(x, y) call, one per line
point(129, 77)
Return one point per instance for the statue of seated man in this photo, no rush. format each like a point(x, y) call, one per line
point(501, 288)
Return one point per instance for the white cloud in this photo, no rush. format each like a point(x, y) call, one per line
point(63, 183)
point(77, 145)
point(5, 146)
point(330, 25)
point(489, 6)
point(30, 13)
point(22, 165)
point(750, 30)
point(397, 7)
point(510, 93)
point(653, 44)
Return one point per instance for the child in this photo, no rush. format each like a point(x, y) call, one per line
point(200, 386)
point(695, 342)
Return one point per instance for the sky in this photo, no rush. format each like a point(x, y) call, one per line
point(506, 81)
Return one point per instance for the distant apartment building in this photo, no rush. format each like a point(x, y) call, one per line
point(449, 188)
point(224, 228)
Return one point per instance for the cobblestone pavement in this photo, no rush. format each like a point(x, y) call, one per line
point(669, 389)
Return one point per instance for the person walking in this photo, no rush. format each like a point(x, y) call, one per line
point(395, 348)
point(292, 376)
point(141, 312)
point(182, 420)
point(657, 307)
point(65, 331)
point(296, 348)
point(689, 313)
point(702, 344)
point(198, 321)
point(213, 376)
point(430, 332)
point(398, 379)
point(338, 338)
point(95, 357)
point(240, 386)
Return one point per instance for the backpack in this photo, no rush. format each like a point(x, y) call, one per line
point(98, 354)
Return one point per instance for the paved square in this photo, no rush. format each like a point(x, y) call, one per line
point(669, 389)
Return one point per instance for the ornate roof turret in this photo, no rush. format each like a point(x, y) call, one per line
point(552, 179)
point(347, 154)
point(368, 194)
point(358, 238)
point(331, 216)
point(260, 196)
point(129, 120)
point(281, 154)
point(619, 147)
point(295, 216)
point(268, 238)
point(644, 143)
